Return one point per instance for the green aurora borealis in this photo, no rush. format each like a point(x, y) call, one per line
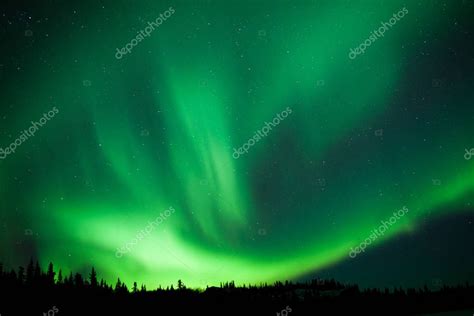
point(157, 129)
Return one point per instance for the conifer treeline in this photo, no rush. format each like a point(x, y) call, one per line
point(51, 287)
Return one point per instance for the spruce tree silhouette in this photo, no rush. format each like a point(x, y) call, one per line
point(30, 272)
point(50, 274)
point(21, 275)
point(42, 292)
point(93, 278)
point(78, 281)
point(60, 276)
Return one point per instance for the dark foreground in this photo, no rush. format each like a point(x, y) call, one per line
point(33, 292)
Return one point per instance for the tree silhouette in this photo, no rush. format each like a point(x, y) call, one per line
point(78, 281)
point(60, 276)
point(325, 296)
point(181, 285)
point(21, 275)
point(37, 273)
point(50, 274)
point(93, 278)
point(30, 272)
point(118, 285)
point(69, 281)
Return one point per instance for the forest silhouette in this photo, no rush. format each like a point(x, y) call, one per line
point(32, 291)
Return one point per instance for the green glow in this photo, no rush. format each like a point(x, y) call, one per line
point(156, 129)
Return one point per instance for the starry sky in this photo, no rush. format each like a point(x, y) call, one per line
point(157, 128)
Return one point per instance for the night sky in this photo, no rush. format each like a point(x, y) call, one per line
point(156, 128)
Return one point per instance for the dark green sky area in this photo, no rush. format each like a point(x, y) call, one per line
point(157, 129)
